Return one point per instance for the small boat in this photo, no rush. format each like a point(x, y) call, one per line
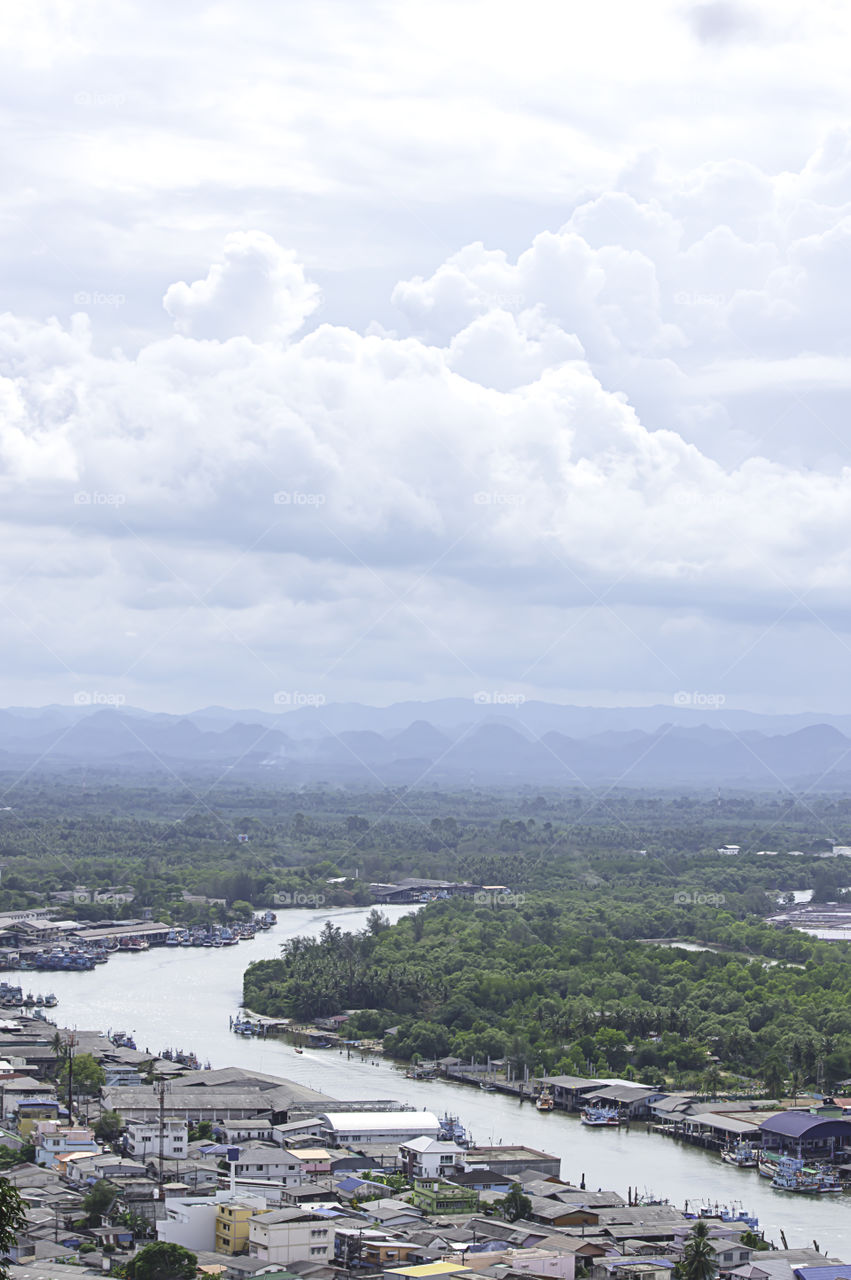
point(50, 1000)
point(828, 1180)
point(742, 1156)
point(299, 1050)
point(600, 1117)
point(544, 1100)
point(487, 1086)
point(451, 1130)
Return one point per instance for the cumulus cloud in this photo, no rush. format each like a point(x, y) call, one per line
point(585, 456)
point(258, 290)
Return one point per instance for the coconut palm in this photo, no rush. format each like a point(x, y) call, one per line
point(698, 1260)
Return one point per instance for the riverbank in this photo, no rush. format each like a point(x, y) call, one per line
point(163, 994)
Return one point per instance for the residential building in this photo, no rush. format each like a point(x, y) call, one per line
point(142, 1139)
point(425, 1157)
point(232, 1222)
point(264, 1161)
point(312, 1162)
point(435, 1196)
point(53, 1140)
point(513, 1160)
point(290, 1235)
point(190, 1223)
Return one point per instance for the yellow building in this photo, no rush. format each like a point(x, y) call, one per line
point(232, 1220)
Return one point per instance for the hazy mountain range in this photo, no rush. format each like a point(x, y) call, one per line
point(450, 742)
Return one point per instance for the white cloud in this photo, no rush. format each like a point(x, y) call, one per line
point(619, 255)
point(259, 290)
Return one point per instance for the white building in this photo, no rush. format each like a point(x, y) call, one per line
point(290, 1235)
point(192, 1223)
point(142, 1140)
point(53, 1140)
point(260, 1162)
point(342, 1128)
point(427, 1158)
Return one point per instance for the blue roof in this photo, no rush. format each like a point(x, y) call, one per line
point(802, 1124)
point(842, 1271)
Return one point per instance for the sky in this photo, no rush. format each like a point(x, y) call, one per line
point(396, 351)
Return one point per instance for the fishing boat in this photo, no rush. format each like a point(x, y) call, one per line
point(767, 1165)
point(600, 1117)
point(828, 1180)
point(452, 1130)
point(792, 1176)
point(544, 1100)
point(741, 1155)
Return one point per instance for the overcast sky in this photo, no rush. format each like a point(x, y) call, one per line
point(400, 350)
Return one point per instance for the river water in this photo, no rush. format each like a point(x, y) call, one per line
point(182, 998)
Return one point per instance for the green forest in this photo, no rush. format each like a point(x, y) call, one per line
point(567, 972)
point(565, 983)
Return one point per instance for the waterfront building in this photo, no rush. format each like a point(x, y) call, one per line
point(345, 1128)
point(802, 1134)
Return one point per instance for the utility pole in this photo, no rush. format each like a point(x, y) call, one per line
point(71, 1041)
point(162, 1088)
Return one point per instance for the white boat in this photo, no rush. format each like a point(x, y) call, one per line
point(742, 1156)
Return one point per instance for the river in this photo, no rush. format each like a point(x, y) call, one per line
point(182, 998)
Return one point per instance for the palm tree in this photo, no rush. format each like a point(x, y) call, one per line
point(698, 1260)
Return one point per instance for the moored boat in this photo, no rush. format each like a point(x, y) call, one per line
point(600, 1117)
point(791, 1175)
point(742, 1156)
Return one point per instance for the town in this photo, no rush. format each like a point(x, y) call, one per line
point(113, 1148)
